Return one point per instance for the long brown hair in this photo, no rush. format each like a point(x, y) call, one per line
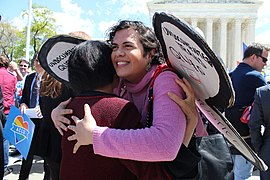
point(50, 86)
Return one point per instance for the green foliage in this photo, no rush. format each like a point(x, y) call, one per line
point(8, 39)
point(13, 41)
point(42, 27)
point(19, 51)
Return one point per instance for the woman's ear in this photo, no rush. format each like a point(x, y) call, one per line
point(151, 54)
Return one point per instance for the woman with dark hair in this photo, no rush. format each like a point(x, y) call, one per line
point(30, 100)
point(52, 92)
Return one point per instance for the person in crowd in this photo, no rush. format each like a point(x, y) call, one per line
point(49, 144)
point(80, 34)
point(136, 55)
point(24, 67)
point(2, 118)
point(246, 77)
point(260, 117)
point(8, 84)
point(13, 68)
point(24, 70)
point(30, 99)
point(20, 73)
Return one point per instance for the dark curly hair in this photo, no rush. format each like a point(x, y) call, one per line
point(146, 36)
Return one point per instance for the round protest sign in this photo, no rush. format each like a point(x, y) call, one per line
point(54, 55)
point(188, 53)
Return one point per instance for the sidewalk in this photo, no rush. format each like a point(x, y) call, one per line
point(37, 169)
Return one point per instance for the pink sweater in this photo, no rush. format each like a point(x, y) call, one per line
point(163, 139)
point(8, 84)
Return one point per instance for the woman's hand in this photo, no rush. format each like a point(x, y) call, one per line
point(58, 116)
point(13, 66)
point(188, 106)
point(83, 130)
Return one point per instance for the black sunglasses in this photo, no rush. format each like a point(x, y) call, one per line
point(263, 58)
point(23, 65)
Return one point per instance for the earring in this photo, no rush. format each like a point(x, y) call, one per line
point(148, 67)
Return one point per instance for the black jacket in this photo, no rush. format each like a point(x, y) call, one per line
point(27, 89)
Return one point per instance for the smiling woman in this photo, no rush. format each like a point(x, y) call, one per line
point(127, 57)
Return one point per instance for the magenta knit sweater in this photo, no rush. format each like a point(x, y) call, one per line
point(163, 139)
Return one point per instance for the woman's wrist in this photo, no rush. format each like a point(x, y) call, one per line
point(190, 129)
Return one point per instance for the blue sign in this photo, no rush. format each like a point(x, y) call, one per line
point(19, 131)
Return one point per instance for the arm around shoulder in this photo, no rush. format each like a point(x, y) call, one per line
point(160, 142)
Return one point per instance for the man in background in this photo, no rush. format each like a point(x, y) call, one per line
point(260, 117)
point(246, 77)
point(30, 99)
point(21, 72)
point(24, 68)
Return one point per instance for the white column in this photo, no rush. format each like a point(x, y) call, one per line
point(223, 40)
point(28, 32)
point(244, 32)
point(250, 35)
point(209, 31)
point(194, 22)
point(237, 41)
point(230, 47)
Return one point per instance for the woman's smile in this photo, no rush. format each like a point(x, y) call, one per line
point(127, 56)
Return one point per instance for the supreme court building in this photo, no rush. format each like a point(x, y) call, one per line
point(226, 24)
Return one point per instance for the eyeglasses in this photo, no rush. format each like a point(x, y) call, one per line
point(263, 58)
point(23, 65)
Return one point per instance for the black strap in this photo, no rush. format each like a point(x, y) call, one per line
point(160, 68)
